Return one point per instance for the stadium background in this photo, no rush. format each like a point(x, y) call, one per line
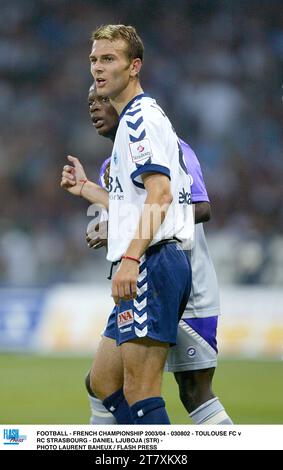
point(216, 68)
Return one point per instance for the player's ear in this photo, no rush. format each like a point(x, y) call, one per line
point(135, 67)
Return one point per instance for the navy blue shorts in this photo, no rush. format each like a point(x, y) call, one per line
point(163, 290)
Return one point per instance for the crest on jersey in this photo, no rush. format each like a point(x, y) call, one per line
point(115, 158)
point(140, 151)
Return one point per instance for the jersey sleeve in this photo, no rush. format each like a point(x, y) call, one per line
point(198, 189)
point(147, 144)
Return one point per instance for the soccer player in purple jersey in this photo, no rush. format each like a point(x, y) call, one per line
point(194, 358)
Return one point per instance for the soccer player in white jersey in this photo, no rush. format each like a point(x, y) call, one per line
point(193, 359)
point(149, 210)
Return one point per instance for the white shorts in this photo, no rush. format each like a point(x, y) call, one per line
point(196, 346)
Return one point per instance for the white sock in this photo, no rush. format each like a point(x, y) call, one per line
point(99, 414)
point(210, 412)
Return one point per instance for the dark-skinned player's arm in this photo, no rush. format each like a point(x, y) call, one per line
point(202, 212)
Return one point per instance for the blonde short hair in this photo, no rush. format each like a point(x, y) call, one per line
point(112, 32)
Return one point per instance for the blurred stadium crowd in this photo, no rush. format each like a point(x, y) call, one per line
point(215, 67)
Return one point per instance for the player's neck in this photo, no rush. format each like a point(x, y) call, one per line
point(132, 90)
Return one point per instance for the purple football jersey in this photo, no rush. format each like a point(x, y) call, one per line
point(101, 180)
point(198, 189)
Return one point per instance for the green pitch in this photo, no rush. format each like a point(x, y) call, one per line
point(50, 390)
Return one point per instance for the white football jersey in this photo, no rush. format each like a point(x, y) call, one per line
point(146, 143)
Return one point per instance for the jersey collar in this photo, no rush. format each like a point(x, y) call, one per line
point(138, 97)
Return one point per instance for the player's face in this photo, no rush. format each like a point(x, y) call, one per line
point(110, 67)
point(104, 117)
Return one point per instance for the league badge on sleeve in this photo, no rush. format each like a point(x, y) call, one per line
point(140, 151)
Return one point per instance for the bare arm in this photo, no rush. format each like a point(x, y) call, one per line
point(95, 194)
point(158, 200)
point(202, 212)
point(75, 181)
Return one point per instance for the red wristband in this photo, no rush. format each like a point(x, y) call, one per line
point(84, 182)
point(132, 258)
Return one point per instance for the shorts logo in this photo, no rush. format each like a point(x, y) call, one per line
point(140, 150)
point(191, 352)
point(125, 318)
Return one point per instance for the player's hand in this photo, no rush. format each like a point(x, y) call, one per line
point(124, 283)
point(97, 237)
point(73, 176)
